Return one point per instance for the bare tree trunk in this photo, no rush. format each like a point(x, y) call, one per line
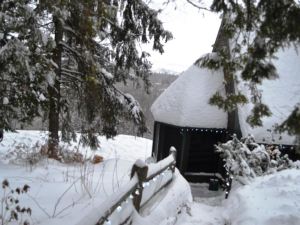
point(54, 94)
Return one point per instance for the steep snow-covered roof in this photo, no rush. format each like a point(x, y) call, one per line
point(281, 95)
point(185, 102)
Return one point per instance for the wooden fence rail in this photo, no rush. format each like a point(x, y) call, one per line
point(146, 181)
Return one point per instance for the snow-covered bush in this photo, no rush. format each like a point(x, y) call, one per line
point(70, 155)
point(30, 154)
point(23, 153)
point(245, 159)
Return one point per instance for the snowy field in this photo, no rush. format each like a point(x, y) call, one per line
point(66, 193)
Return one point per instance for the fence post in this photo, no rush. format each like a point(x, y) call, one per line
point(174, 153)
point(141, 169)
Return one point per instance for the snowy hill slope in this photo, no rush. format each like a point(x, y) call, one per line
point(65, 193)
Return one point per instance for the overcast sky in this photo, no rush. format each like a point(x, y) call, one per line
point(194, 34)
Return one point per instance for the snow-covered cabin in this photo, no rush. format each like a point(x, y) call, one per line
point(184, 118)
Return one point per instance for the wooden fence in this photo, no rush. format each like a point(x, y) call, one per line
point(146, 181)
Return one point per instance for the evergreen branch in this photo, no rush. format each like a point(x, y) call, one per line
point(198, 6)
point(45, 25)
point(71, 71)
point(53, 64)
point(69, 29)
point(67, 47)
point(71, 76)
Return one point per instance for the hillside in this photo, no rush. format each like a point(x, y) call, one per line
point(159, 82)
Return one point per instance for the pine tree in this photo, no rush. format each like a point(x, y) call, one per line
point(256, 29)
point(22, 64)
point(86, 47)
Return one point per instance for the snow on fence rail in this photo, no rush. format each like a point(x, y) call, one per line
point(146, 181)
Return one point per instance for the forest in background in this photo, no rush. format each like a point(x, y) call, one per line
point(159, 82)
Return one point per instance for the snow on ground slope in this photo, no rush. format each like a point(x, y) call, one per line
point(122, 146)
point(65, 193)
point(269, 200)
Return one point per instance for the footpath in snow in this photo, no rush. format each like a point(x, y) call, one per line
point(206, 207)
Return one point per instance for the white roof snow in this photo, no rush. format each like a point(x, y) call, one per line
point(185, 102)
point(281, 95)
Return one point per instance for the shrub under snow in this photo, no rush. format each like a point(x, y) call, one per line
point(246, 159)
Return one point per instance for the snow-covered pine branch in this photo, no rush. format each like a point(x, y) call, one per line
point(245, 159)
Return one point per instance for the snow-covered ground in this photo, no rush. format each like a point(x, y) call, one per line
point(269, 200)
point(123, 146)
point(66, 193)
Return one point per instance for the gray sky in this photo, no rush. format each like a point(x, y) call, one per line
point(194, 33)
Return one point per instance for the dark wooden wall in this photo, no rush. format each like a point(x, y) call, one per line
point(195, 148)
point(166, 136)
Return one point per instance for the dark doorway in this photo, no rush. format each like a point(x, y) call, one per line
point(196, 157)
point(202, 156)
